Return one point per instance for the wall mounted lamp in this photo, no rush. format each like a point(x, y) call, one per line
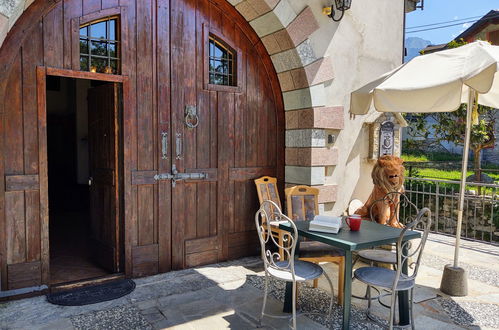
point(341, 6)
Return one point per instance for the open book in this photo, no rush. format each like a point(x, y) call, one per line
point(326, 224)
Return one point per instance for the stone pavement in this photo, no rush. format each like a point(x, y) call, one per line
point(226, 295)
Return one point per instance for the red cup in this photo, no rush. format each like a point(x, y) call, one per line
point(353, 221)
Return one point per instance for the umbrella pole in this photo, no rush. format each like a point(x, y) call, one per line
point(464, 171)
point(454, 280)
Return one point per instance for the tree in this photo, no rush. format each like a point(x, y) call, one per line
point(451, 127)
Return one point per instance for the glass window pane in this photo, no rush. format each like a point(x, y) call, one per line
point(84, 63)
point(218, 51)
point(84, 31)
point(99, 48)
point(112, 29)
point(112, 50)
point(98, 30)
point(83, 46)
point(114, 66)
point(219, 79)
point(212, 48)
point(98, 64)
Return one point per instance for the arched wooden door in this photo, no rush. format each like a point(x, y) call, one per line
point(237, 139)
point(165, 58)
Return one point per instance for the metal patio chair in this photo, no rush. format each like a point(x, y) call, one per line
point(397, 200)
point(289, 270)
point(394, 280)
point(302, 205)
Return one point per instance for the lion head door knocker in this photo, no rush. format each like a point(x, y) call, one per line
point(191, 116)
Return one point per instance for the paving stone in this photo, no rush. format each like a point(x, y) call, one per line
point(60, 324)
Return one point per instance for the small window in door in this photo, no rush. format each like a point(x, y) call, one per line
point(222, 63)
point(99, 46)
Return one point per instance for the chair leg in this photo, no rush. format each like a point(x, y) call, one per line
point(341, 280)
point(281, 245)
point(332, 294)
point(392, 309)
point(294, 305)
point(410, 308)
point(265, 291)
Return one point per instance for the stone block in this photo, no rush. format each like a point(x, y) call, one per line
point(305, 138)
point(7, 7)
point(286, 60)
point(266, 24)
point(319, 71)
point(235, 2)
point(323, 117)
point(15, 14)
point(302, 26)
point(283, 39)
point(306, 53)
point(271, 44)
point(304, 98)
point(247, 11)
point(305, 175)
point(262, 6)
point(285, 13)
point(311, 156)
point(300, 79)
point(327, 193)
point(286, 81)
point(4, 28)
point(29, 2)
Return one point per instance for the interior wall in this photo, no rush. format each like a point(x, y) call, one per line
point(82, 131)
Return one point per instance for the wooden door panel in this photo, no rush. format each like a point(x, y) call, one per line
point(104, 189)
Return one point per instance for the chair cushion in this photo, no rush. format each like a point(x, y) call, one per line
point(312, 249)
point(382, 277)
point(377, 255)
point(304, 271)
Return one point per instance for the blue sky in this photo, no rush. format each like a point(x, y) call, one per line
point(436, 11)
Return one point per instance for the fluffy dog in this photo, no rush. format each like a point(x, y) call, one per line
point(388, 176)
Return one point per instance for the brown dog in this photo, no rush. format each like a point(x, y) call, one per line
point(388, 176)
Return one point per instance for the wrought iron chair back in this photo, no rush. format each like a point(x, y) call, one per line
point(396, 201)
point(407, 251)
point(289, 240)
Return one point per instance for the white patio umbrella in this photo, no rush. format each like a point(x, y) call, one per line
point(438, 82)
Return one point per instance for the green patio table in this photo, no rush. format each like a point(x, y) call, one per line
point(371, 234)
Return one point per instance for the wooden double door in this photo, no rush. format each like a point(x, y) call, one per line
point(234, 136)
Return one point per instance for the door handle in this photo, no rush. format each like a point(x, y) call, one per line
point(90, 180)
point(178, 143)
point(164, 145)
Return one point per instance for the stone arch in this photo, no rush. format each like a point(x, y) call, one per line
point(302, 76)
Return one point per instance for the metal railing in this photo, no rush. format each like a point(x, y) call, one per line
point(480, 216)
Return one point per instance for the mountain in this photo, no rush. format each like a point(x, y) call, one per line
point(413, 45)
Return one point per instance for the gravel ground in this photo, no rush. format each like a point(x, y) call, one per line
point(471, 313)
point(312, 300)
point(481, 274)
point(118, 318)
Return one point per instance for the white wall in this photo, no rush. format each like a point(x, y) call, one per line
point(364, 44)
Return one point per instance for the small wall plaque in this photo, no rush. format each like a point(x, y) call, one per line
point(386, 138)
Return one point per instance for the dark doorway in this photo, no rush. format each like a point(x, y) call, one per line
point(83, 185)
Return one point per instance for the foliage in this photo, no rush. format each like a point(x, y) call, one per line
point(414, 155)
point(451, 126)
